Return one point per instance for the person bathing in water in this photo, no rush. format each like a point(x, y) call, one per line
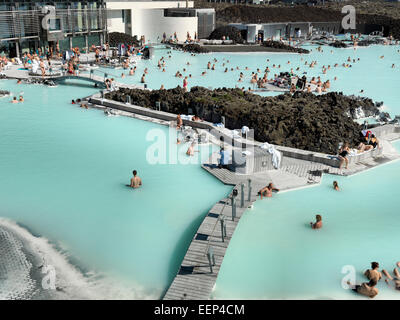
point(367, 288)
point(318, 223)
point(267, 191)
point(335, 186)
point(136, 182)
point(373, 273)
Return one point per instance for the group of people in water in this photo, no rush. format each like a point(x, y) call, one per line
point(374, 276)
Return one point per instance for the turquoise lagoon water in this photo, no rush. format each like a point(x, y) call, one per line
point(371, 74)
point(274, 253)
point(63, 173)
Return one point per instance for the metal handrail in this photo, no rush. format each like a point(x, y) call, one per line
point(218, 220)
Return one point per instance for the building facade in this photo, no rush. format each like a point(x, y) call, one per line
point(152, 19)
point(274, 31)
point(26, 26)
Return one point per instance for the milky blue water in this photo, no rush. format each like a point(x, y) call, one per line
point(274, 254)
point(63, 172)
point(371, 73)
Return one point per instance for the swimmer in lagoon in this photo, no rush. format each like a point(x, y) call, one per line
point(136, 182)
point(267, 191)
point(335, 186)
point(373, 273)
point(367, 288)
point(318, 223)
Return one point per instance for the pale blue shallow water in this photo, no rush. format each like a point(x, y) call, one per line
point(373, 75)
point(63, 173)
point(274, 254)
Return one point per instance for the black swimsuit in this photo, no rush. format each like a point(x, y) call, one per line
point(343, 153)
point(374, 144)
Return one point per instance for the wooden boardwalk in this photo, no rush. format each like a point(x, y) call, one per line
point(195, 280)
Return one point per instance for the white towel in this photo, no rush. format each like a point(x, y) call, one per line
point(235, 134)
point(186, 117)
point(245, 129)
point(276, 155)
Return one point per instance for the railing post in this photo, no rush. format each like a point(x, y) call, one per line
point(211, 259)
point(223, 227)
point(242, 195)
point(249, 195)
point(233, 203)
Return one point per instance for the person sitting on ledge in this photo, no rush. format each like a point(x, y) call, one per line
point(136, 182)
point(343, 152)
point(318, 223)
point(267, 190)
point(179, 122)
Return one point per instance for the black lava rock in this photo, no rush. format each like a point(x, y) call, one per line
point(302, 120)
point(284, 47)
point(228, 32)
point(115, 38)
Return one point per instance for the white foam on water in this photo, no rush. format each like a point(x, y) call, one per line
point(15, 268)
point(70, 282)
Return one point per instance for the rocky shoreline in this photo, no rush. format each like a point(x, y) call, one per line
point(302, 120)
point(279, 46)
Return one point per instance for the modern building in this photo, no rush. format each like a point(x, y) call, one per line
point(26, 25)
point(275, 31)
point(152, 18)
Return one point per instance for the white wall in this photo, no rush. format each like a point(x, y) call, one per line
point(114, 21)
point(148, 4)
point(152, 24)
point(148, 19)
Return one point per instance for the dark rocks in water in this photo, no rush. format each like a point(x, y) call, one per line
point(284, 47)
point(115, 38)
point(193, 48)
point(302, 120)
point(229, 32)
point(338, 44)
